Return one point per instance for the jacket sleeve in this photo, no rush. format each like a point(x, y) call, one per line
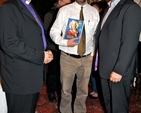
point(11, 40)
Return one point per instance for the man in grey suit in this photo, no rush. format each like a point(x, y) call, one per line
point(116, 43)
point(23, 55)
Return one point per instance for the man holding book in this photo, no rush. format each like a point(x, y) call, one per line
point(73, 61)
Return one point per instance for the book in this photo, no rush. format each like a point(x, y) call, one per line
point(74, 29)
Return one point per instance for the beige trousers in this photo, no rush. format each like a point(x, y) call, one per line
point(69, 67)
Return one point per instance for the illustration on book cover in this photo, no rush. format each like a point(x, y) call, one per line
point(74, 29)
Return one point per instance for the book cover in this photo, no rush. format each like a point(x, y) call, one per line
point(74, 29)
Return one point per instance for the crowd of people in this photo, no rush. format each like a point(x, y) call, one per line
point(33, 51)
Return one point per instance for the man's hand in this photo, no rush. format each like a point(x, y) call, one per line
point(71, 42)
point(48, 56)
point(91, 57)
point(115, 77)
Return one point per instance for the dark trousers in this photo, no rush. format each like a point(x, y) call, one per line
point(139, 57)
point(53, 73)
point(116, 95)
point(21, 103)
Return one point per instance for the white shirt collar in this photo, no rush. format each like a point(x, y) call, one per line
point(79, 6)
point(114, 2)
point(27, 1)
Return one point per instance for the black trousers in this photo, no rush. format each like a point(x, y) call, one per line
point(139, 57)
point(21, 103)
point(116, 95)
point(53, 73)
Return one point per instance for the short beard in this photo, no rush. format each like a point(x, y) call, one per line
point(80, 2)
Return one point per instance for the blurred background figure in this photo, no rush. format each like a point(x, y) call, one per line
point(137, 79)
point(101, 6)
point(53, 73)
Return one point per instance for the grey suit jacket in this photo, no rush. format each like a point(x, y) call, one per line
point(117, 41)
point(22, 50)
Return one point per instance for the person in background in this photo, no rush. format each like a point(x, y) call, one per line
point(72, 62)
point(22, 56)
point(117, 39)
point(137, 79)
point(53, 72)
point(101, 6)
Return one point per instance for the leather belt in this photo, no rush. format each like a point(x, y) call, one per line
point(76, 56)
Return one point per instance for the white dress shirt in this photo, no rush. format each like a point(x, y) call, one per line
point(91, 19)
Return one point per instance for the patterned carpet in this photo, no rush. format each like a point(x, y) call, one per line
point(93, 105)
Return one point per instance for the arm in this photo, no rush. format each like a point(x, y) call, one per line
point(12, 38)
point(47, 20)
point(56, 29)
point(129, 41)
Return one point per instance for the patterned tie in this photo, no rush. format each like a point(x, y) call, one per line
point(82, 43)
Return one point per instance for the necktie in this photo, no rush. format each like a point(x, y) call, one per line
point(96, 62)
point(82, 43)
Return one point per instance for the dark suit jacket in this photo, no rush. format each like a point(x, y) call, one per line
point(22, 50)
point(117, 41)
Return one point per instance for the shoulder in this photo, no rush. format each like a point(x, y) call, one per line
point(9, 4)
point(132, 6)
point(130, 3)
point(52, 11)
point(67, 7)
point(131, 9)
point(91, 9)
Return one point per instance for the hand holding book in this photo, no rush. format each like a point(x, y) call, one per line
point(71, 42)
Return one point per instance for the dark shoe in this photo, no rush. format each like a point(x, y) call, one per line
point(92, 97)
point(52, 97)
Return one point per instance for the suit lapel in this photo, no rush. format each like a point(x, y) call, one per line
point(114, 13)
point(25, 10)
point(38, 16)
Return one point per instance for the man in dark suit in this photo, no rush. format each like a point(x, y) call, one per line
point(23, 55)
point(116, 42)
